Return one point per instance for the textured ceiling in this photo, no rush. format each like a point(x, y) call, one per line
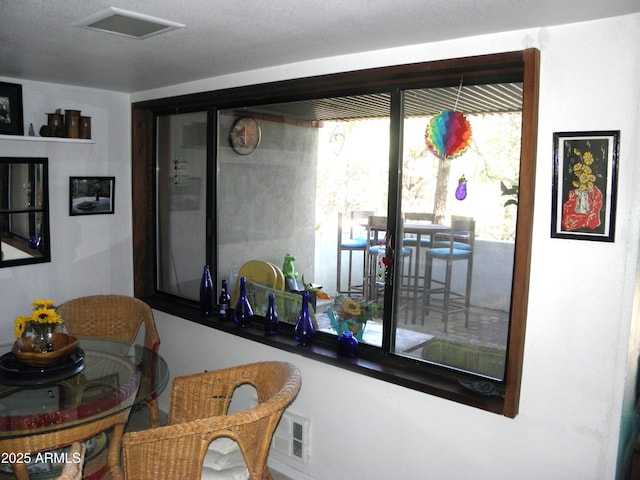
point(42, 39)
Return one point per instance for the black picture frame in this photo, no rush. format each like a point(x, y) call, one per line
point(11, 121)
point(91, 195)
point(585, 184)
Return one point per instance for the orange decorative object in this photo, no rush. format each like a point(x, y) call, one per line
point(63, 346)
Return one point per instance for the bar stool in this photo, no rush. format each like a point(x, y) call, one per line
point(456, 249)
point(353, 243)
point(420, 243)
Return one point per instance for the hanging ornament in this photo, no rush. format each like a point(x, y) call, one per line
point(461, 191)
point(448, 134)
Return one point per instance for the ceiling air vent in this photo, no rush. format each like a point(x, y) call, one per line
point(128, 24)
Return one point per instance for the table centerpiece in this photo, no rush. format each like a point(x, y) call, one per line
point(40, 340)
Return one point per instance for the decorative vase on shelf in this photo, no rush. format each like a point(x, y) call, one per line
point(347, 345)
point(206, 293)
point(243, 313)
point(304, 329)
point(271, 317)
point(342, 325)
point(224, 302)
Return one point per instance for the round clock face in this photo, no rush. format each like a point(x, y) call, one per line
point(244, 136)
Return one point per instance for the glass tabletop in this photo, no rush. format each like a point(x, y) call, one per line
point(111, 377)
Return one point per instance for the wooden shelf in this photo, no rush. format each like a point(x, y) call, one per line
point(26, 138)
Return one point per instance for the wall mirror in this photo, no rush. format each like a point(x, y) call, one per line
point(24, 211)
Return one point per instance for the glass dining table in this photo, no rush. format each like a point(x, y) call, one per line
point(87, 394)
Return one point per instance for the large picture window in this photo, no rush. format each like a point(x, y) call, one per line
point(424, 254)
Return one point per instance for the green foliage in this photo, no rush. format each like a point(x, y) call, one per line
point(512, 191)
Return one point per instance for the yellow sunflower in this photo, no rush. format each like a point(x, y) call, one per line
point(587, 158)
point(43, 303)
point(45, 315)
point(352, 307)
point(20, 325)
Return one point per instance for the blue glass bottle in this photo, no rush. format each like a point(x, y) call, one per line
point(304, 329)
point(348, 345)
point(206, 293)
point(271, 317)
point(224, 302)
point(243, 313)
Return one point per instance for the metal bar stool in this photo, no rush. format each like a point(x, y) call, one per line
point(352, 243)
point(451, 250)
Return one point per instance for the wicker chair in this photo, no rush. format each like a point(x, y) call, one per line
point(72, 469)
point(198, 415)
point(67, 436)
point(116, 317)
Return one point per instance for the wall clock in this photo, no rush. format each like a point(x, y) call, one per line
point(244, 135)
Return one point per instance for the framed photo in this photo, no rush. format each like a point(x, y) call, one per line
point(585, 181)
point(91, 195)
point(11, 122)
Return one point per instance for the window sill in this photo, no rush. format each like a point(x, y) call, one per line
point(403, 371)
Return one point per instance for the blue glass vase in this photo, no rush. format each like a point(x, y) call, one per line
point(206, 293)
point(347, 345)
point(271, 317)
point(304, 329)
point(243, 313)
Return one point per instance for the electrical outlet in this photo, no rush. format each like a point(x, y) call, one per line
point(291, 438)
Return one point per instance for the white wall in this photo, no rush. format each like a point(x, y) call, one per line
point(89, 254)
point(577, 369)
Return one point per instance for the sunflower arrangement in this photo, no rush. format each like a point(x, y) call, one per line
point(583, 171)
point(355, 311)
point(42, 318)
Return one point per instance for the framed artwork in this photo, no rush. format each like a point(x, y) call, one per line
point(91, 195)
point(11, 122)
point(585, 178)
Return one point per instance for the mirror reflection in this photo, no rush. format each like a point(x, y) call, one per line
point(24, 215)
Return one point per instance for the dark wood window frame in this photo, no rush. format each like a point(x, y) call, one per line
point(521, 66)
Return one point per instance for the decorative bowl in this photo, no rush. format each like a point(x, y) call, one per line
point(63, 346)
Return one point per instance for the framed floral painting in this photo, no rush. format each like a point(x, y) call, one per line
point(585, 177)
